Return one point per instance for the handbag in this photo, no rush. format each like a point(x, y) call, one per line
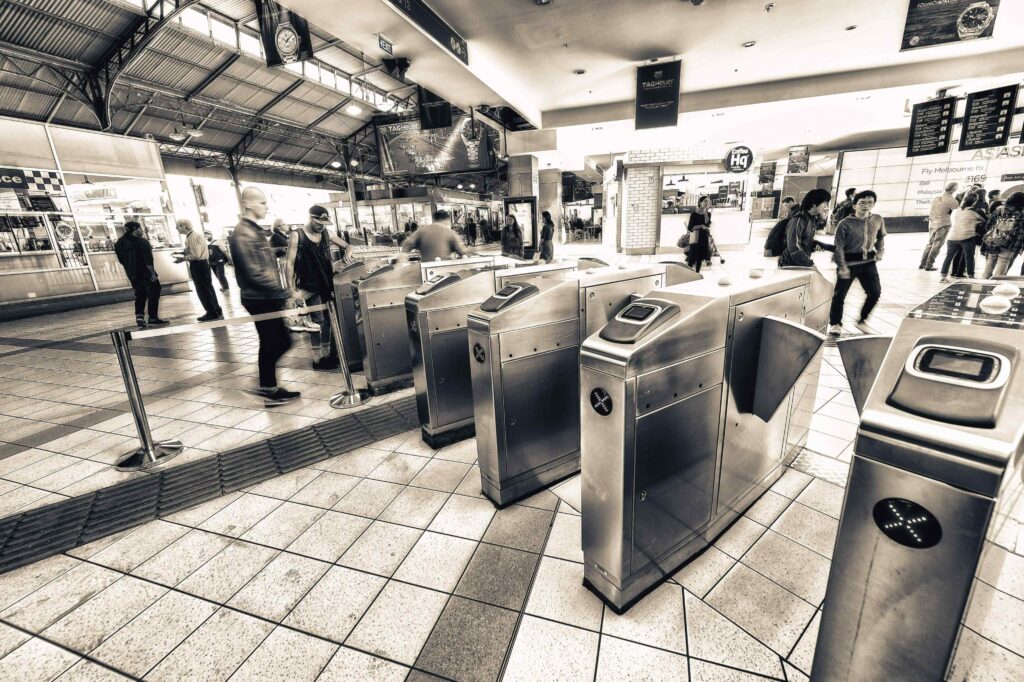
point(694, 236)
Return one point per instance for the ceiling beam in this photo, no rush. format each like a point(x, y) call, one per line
point(56, 106)
point(330, 112)
point(368, 70)
point(280, 97)
point(212, 76)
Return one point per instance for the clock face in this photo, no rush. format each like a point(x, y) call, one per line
point(287, 41)
point(975, 17)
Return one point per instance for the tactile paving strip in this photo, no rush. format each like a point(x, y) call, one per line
point(55, 528)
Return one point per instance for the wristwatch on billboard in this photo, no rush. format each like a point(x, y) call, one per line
point(287, 41)
point(973, 21)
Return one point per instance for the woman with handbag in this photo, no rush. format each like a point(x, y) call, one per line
point(1004, 238)
point(698, 231)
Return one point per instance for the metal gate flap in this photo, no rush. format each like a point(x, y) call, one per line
point(862, 357)
point(786, 350)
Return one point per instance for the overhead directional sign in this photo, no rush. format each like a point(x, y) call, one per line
point(434, 26)
point(931, 126)
point(987, 118)
point(385, 44)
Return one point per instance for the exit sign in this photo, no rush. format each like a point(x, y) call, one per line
point(385, 44)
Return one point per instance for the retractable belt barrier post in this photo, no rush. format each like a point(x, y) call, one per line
point(151, 453)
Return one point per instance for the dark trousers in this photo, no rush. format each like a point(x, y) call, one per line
point(147, 291)
point(218, 271)
point(964, 247)
point(274, 337)
point(201, 275)
point(867, 275)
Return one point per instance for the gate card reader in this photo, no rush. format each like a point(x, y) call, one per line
point(525, 370)
point(436, 318)
point(935, 478)
point(672, 449)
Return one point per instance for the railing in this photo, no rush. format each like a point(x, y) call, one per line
point(151, 453)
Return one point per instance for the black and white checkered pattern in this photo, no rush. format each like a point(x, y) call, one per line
point(44, 181)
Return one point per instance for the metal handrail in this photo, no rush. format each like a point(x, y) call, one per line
point(151, 453)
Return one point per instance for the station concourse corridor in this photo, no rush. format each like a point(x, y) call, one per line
point(385, 562)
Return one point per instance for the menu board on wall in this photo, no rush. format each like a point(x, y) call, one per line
point(987, 118)
point(931, 127)
point(799, 160)
point(766, 173)
point(407, 149)
point(940, 22)
point(657, 95)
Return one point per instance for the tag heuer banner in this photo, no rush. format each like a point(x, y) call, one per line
point(285, 35)
point(939, 22)
point(657, 95)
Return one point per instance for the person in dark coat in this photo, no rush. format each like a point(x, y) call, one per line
point(547, 238)
point(512, 237)
point(698, 231)
point(803, 223)
point(135, 254)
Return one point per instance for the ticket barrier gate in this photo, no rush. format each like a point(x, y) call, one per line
point(387, 365)
point(685, 398)
point(935, 480)
point(524, 342)
point(347, 302)
point(437, 314)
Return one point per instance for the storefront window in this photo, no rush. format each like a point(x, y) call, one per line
point(384, 218)
point(104, 204)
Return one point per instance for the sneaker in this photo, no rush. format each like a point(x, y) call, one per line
point(862, 326)
point(326, 364)
point(207, 318)
point(931, 269)
point(835, 330)
point(943, 279)
point(310, 326)
point(297, 326)
point(140, 322)
point(157, 322)
point(278, 396)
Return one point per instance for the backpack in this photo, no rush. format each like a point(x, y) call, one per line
point(775, 244)
point(998, 233)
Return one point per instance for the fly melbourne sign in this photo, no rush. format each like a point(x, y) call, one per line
point(657, 95)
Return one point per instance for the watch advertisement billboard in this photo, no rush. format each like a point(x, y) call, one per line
point(940, 22)
point(657, 95)
point(407, 149)
point(285, 35)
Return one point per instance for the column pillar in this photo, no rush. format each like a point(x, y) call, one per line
point(523, 177)
point(550, 198)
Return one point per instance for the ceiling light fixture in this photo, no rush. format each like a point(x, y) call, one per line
point(472, 185)
point(458, 186)
point(851, 27)
point(750, 43)
point(353, 163)
point(335, 164)
point(177, 135)
point(193, 132)
point(542, 2)
point(353, 110)
point(579, 72)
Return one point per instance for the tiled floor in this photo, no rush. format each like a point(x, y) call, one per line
point(386, 562)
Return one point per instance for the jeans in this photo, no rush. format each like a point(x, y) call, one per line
point(997, 264)
point(274, 337)
point(147, 291)
point(218, 271)
point(965, 247)
point(321, 338)
point(936, 238)
point(200, 271)
point(867, 275)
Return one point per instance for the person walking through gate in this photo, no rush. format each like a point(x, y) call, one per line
point(963, 236)
point(547, 237)
point(218, 259)
point(308, 266)
point(803, 223)
point(436, 241)
point(859, 243)
point(698, 231)
point(261, 292)
point(135, 255)
point(197, 255)
point(512, 237)
point(938, 226)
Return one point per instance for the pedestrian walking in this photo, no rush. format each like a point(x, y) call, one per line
point(1004, 238)
point(547, 237)
point(135, 254)
point(197, 255)
point(938, 226)
point(259, 283)
point(859, 243)
point(310, 269)
point(219, 258)
point(803, 223)
point(962, 237)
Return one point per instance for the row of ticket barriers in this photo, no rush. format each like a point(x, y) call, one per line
point(682, 399)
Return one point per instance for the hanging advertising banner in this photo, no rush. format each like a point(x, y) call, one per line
point(987, 118)
point(766, 173)
point(799, 159)
point(657, 95)
point(940, 22)
point(434, 26)
point(525, 211)
point(931, 127)
point(407, 149)
point(285, 35)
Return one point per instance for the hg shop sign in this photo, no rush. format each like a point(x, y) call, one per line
point(739, 160)
point(12, 178)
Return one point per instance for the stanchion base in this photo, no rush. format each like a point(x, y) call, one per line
point(342, 401)
point(139, 460)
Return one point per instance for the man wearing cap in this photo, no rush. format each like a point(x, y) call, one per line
point(308, 264)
